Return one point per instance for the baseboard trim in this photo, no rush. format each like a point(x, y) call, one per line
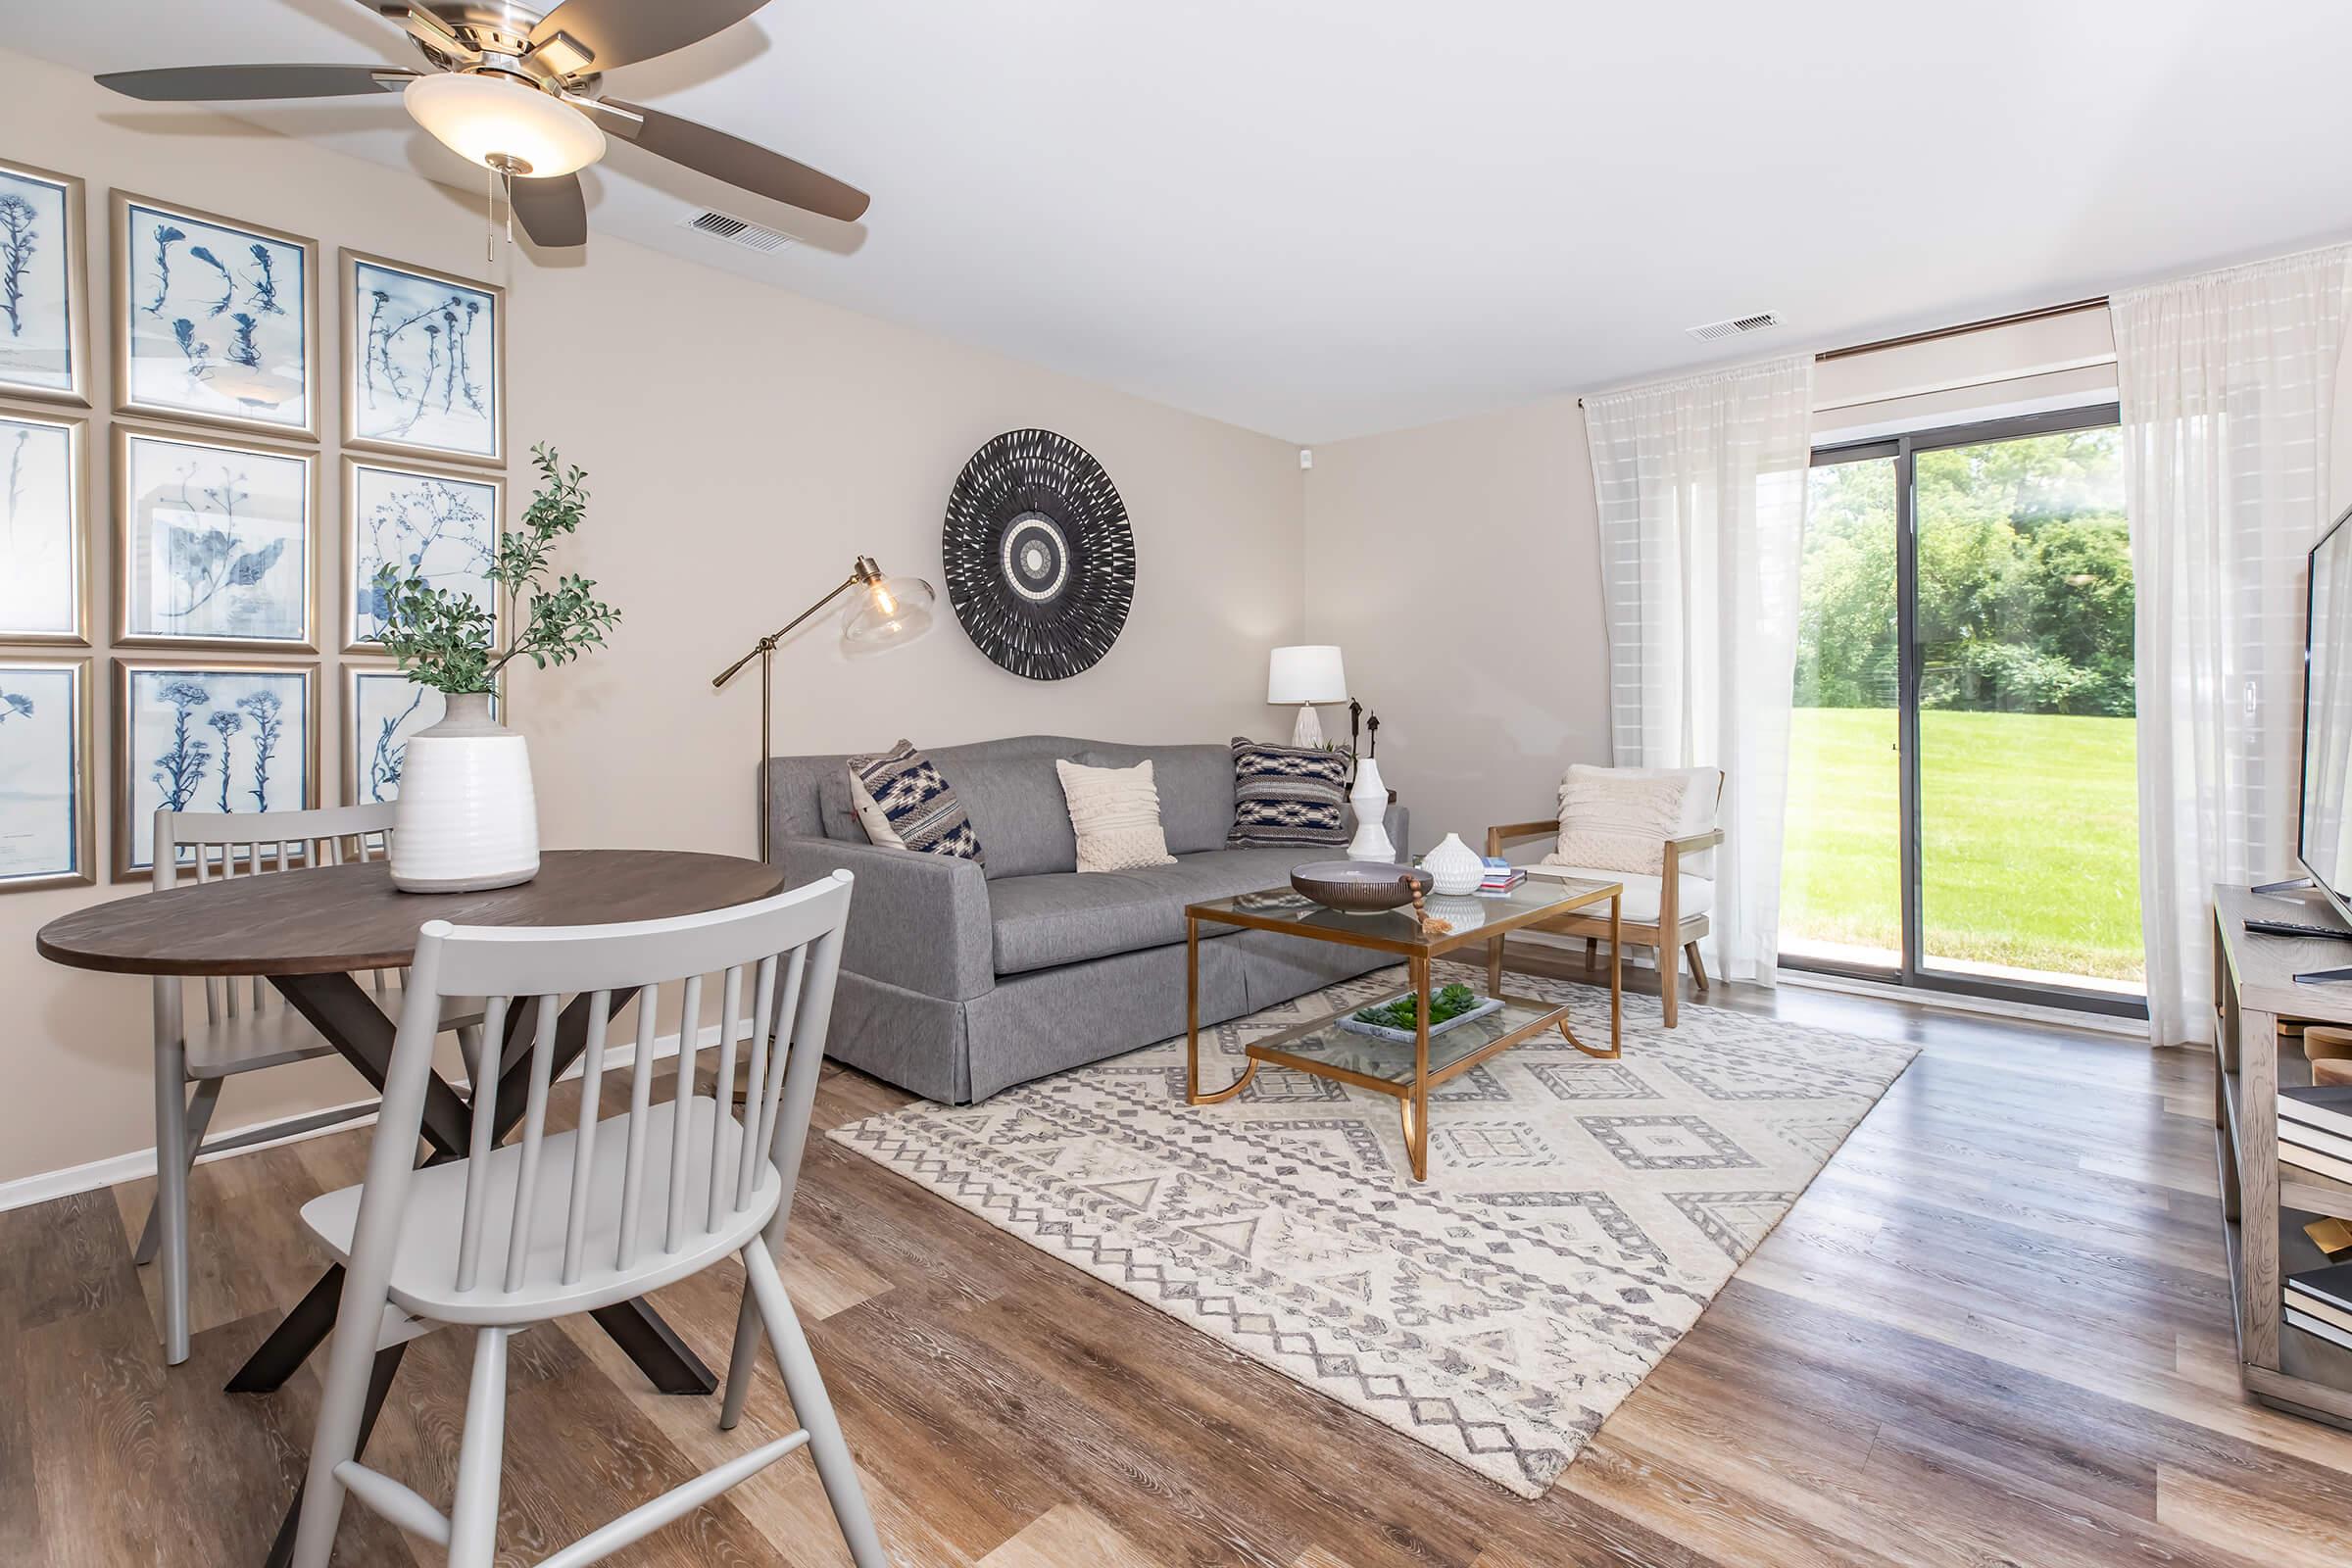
point(271, 1133)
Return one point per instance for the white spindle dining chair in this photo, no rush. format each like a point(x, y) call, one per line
point(568, 1222)
point(246, 1025)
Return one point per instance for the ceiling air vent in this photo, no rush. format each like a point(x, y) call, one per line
point(1734, 328)
point(735, 232)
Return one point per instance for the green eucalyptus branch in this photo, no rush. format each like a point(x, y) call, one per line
point(447, 640)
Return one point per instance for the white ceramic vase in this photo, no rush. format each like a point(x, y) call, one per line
point(1454, 867)
point(1371, 802)
point(467, 818)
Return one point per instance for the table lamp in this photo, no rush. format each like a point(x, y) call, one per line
point(888, 613)
point(1307, 675)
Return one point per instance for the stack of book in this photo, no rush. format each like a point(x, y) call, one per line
point(2321, 1303)
point(1501, 876)
point(2315, 1129)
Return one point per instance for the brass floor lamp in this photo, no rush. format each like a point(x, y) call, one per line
point(890, 612)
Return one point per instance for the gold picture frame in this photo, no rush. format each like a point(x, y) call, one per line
point(129, 764)
point(73, 195)
point(367, 338)
point(217, 372)
point(352, 583)
point(83, 834)
point(126, 635)
point(76, 428)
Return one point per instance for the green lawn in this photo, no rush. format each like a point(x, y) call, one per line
point(2031, 826)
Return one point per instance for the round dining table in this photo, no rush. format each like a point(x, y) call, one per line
point(309, 933)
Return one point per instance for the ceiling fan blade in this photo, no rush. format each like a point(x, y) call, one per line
point(553, 212)
point(192, 84)
point(738, 161)
point(620, 33)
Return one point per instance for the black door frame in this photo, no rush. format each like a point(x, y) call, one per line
point(1903, 448)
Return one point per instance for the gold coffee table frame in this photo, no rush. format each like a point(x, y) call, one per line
point(1323, 1049)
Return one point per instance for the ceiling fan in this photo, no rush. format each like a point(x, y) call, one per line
point(521, 91)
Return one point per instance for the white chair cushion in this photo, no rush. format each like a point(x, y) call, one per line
point(1696, 895)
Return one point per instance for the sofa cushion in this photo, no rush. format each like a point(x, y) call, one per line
point(1695, 895)
point(1115, 814)
point(1196, 789)
point(905, 803)
point(1061, 918)
point(1288, 795)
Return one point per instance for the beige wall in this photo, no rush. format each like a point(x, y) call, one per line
point(742, 444)
point(1457, 566)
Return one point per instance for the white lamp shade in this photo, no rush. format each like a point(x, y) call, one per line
point(1309, 674)
point(481, 118)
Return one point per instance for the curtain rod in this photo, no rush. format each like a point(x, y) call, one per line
point(1957, 329)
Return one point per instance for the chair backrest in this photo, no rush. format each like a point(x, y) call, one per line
point(780, 956)
point(211, 846)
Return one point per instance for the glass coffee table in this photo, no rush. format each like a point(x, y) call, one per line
point(1407, 1071)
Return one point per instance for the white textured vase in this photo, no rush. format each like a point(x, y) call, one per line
point(467, 818)
point(1454, 867)
point(1371, 802)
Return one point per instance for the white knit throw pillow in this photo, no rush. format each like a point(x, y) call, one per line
point(1612, 822)
point(1115, 812)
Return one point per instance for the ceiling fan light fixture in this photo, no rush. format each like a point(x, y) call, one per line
point(503, 125)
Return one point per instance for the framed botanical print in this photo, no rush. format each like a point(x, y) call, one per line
point(381, 710)
point(215, 321)
point(425, 363)
point(215, 543)
point(45, 528)
point(45, 809)
point(216, 736)
point(439, 525)
point(44, 287)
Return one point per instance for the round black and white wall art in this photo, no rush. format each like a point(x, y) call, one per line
point(1040, 559)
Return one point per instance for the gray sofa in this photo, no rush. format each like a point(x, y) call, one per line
point(957, 980)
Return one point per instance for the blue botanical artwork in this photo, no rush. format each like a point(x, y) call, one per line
point(41, 581)
point(428, 525)
point(216, 542)
point(385, 710)
point(214, 740)
point(40, 775)
point(216, 321)
point(426, 372)
point(36, 285)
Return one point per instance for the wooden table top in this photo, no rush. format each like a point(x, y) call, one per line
point(335, 919)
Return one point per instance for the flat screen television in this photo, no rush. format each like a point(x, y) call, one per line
point(2324, 829)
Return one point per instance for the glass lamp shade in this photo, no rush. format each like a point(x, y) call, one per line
point(485, 118)
point(1306, 674)
point(887, 613)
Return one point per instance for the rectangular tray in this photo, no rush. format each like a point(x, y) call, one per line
point(1405, 1037)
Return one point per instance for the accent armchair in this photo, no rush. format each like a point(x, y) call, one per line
point(1665, 908)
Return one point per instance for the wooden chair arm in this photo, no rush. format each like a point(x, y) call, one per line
point(1688, 844)
point(1498, 837)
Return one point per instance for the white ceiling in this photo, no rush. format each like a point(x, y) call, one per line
point(1324, 217)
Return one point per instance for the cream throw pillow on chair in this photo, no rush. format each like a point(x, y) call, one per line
point(1618, 822)
point(1115, 814)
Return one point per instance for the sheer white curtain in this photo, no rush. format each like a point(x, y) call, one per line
point(1702, 491)
point(2227, 383)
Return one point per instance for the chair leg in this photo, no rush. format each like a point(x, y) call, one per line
point(473, 1515)
point(1591, 950)
point(834, 1466)
point(1698, 965)
point(1670, 979)
point(171, 1187)
point(741, 1360)
point(200, 1117)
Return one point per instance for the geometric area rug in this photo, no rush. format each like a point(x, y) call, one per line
point(1578, 1216)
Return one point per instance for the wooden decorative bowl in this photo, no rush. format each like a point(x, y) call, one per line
point(1360, 887)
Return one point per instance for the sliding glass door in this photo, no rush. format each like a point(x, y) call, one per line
point(1963, 811)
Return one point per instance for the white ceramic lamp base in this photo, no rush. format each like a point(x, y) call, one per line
point(1307, 733)
point(467, 817)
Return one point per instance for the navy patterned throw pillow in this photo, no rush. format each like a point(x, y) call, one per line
point(905, 803)
point(1285, 795)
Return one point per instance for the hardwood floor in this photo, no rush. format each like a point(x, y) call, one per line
point(1995, 1330)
